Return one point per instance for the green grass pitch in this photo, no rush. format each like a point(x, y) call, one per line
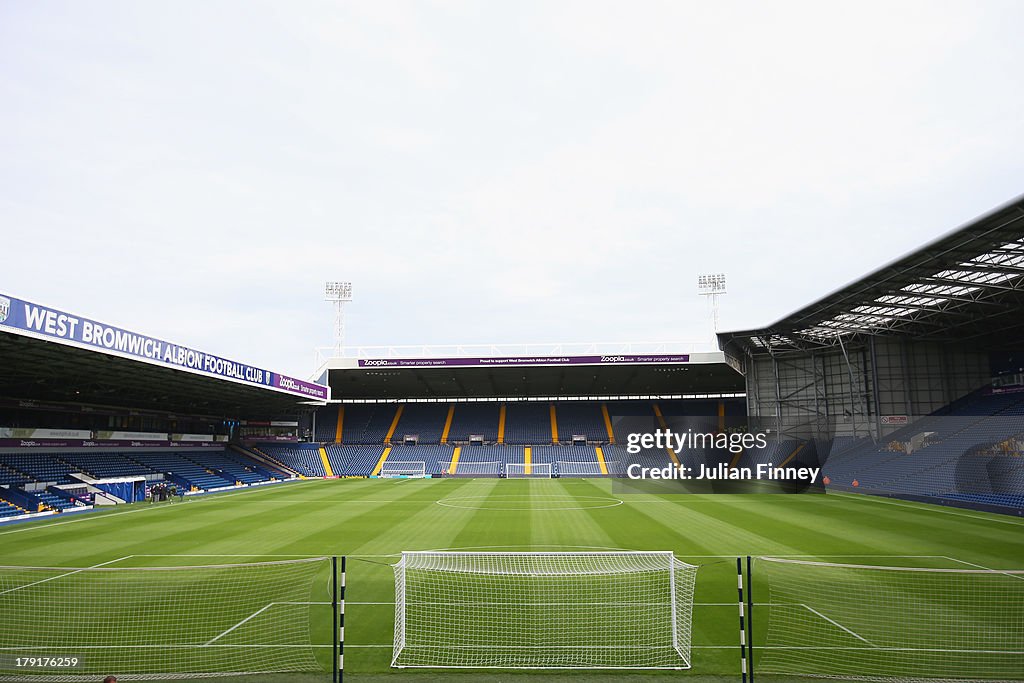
point(371, 521)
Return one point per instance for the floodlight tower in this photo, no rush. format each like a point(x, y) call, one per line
point(338, 293)
point(712, 286)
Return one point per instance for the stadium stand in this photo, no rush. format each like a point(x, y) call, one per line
point(354, 461)
point(326, 424)
point(948, 462)
point(528, 422)
point(583, 418)
point(434, 457)
point(423, 420)
point(105, 464)
point(41, 467)
point(181, 467)
point(302, 458)
point(8, 510)
point(11, 477)
point(365, 423)
point(479, 419)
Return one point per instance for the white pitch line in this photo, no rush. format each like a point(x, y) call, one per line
point(389, 645)
point(61, 576)
point(932, 508)
point(251, 616)
point(696, 604)
point(87, 516)
point(837, 624)
point(980, 566)
point(540, 545)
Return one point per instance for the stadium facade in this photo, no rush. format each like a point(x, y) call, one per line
point(920, 357)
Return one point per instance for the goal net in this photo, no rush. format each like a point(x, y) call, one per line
point(586, 468)
point(526, 610)
point(519, 470)
point(406, 468)
point(472, 469)
point(163, 623)
point(868, 622)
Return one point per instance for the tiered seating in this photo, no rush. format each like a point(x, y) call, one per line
point(8, 510)
point(618, 454)
point(475, 418)
point(52, 500)
point(580, 417)
point(326, 424)
point(40, 466)
point(472, 459)
point(268, 470)
point(528, 422)
point(11, 477)
point(106, 464)
point(303, 459)
point(953, 465)
point(358, 461)
point(426, 420)
point(367, 423)
point(435, 458)
point(552, 454)
point(180, 465)
point(228, 468)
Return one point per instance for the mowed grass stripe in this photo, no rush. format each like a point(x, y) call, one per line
point(384, 517)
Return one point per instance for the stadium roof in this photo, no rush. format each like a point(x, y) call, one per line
point(52, 356)
point(662, 372)
point(966, 286)
point(38, 370)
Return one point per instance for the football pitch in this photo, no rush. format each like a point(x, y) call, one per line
point(372, 521)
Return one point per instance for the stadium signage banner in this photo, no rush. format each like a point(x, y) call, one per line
point(100, 443)
point(58, 326)
point(619, 359)
point(29, 433)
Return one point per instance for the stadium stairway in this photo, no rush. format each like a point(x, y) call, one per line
point(303, 459)
point(262, 461)
point(9, 510)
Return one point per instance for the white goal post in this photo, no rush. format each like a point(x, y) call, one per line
point(520, 470)
point(490, 468)
point(586, 468)
point(543, 610)
point(403, 468)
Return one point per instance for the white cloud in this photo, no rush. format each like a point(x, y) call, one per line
point(487, 171)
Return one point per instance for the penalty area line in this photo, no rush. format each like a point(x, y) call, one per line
point(61, 576)
point(988, 569)
point(838, 625)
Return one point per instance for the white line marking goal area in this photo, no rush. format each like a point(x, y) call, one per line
point(890, 621)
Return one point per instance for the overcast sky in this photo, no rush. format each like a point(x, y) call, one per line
point(486, 171)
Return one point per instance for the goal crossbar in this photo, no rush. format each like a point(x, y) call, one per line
point(543, 610)
point(515, 470)
point(403, 468)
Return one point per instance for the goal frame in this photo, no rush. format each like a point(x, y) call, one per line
point(412, 473)
point(533, 474)
point(446, 466)
point(685, 619)
point(610, 465)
